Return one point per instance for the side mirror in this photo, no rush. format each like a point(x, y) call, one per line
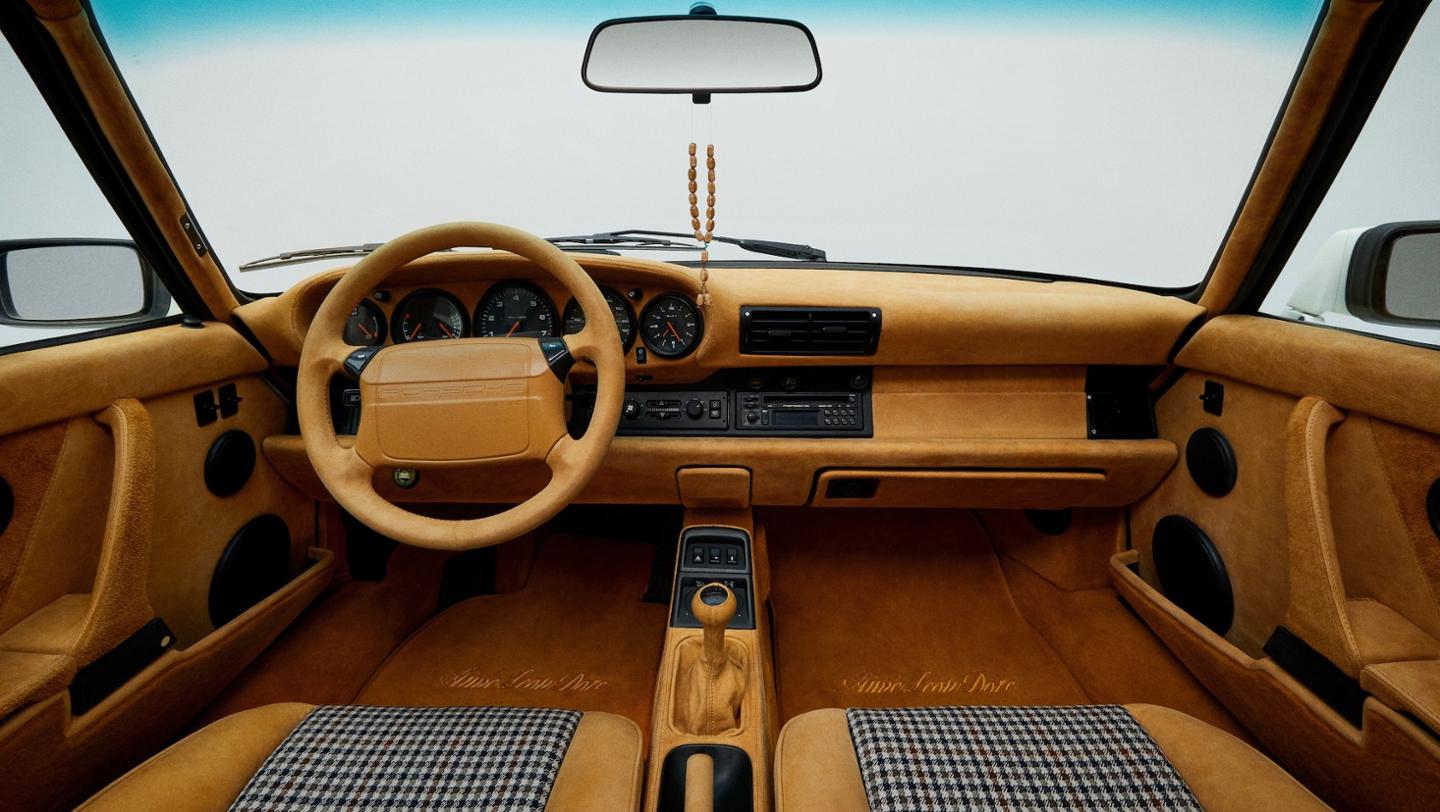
point(1395, 274)
point(701, 54)
point(1387, 274)
point(75, 282)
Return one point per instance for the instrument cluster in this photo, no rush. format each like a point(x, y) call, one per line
point(669, 325)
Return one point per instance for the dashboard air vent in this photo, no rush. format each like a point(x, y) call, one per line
point(809, 330)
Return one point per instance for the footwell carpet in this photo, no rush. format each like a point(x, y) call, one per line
point(578, 636)
point(900, 608)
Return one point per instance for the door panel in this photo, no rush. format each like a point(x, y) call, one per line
point(113, 527)
point(1325, 536)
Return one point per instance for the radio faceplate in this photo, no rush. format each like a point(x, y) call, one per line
point(786, 402)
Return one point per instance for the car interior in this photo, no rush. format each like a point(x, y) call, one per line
point(785, 533)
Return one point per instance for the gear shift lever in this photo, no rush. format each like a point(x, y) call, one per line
point(713, 605)
point(711, 685)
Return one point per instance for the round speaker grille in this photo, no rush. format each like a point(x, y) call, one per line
point(255, 563)
point(1049, 522)
point(1211, 461)
point(7, 505)
point(1432, 507)
point(229, 462)
point(1192, 575)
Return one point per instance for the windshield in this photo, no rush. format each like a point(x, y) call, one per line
point(1108, 140)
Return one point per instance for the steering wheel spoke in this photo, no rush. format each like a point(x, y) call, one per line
point(585, 345)
point(564, 455)
point(356, 360)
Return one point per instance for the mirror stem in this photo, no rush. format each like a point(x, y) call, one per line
point(701, 10)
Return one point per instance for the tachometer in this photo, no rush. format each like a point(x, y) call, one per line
point(516, 309)
point(619, 308)
point(365, 327)
point(426, 315)
point(671, 326)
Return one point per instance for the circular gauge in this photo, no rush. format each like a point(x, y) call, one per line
point(671, 326)
point(426, 315)
point(365, 327)
point(619, 308)
point(516, 309)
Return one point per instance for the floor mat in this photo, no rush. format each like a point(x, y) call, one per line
point(577, 636)
point(900, 608)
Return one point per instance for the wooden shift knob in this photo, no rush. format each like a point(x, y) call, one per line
point(714, 605)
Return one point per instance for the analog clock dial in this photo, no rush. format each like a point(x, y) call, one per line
point(671, 326)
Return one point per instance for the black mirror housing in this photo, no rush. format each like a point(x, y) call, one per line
point(73, 282)
point(701, 54)
point(1394, 274)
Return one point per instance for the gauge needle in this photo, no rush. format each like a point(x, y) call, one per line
point(445, 329)
point(365, 330)
point(415, 332)
point(670, 328)
point(512, 329)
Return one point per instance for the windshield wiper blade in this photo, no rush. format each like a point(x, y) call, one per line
point(657, 240)
point(310, 254)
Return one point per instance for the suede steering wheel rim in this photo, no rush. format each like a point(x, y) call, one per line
point(484, 400)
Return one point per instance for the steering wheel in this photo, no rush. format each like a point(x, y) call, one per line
point(458, 403)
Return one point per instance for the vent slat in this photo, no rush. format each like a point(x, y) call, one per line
point(809, 330)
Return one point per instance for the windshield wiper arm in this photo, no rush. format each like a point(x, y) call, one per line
point(654, 240)
point(309, 255)
point(634, 238)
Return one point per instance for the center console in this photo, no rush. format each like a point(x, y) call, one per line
point(784, 402)
point(711, 735)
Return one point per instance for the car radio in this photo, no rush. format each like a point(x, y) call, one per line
point(838, 411)
point(781, 402)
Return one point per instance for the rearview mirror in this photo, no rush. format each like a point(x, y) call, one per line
point(701, 54)
point(77, 282)
point(1395, 274)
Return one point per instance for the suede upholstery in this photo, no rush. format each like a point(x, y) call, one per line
point(208, 769)
point(816, 768)
point(1387, 763)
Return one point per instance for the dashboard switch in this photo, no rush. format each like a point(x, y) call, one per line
point(631, 410)
point(694, 408)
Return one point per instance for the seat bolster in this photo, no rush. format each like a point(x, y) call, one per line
point(207, 769)
point(602, 768)
point(815, 765)
point(1223, 772)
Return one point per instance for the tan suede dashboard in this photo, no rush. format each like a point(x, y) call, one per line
point(930, 319)
point(978, 387)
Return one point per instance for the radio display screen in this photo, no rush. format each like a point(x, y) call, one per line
point(795, 417)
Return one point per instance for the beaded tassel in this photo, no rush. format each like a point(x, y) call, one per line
point(703, 236)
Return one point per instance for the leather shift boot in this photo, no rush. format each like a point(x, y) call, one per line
point(708, 694)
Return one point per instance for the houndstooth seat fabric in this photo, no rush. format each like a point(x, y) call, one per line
point(363, 758)
point(992, 757)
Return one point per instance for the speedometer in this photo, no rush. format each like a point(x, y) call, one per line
point(619, 308)
point(516, 309)
point(671, 326)
point(426, 315)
